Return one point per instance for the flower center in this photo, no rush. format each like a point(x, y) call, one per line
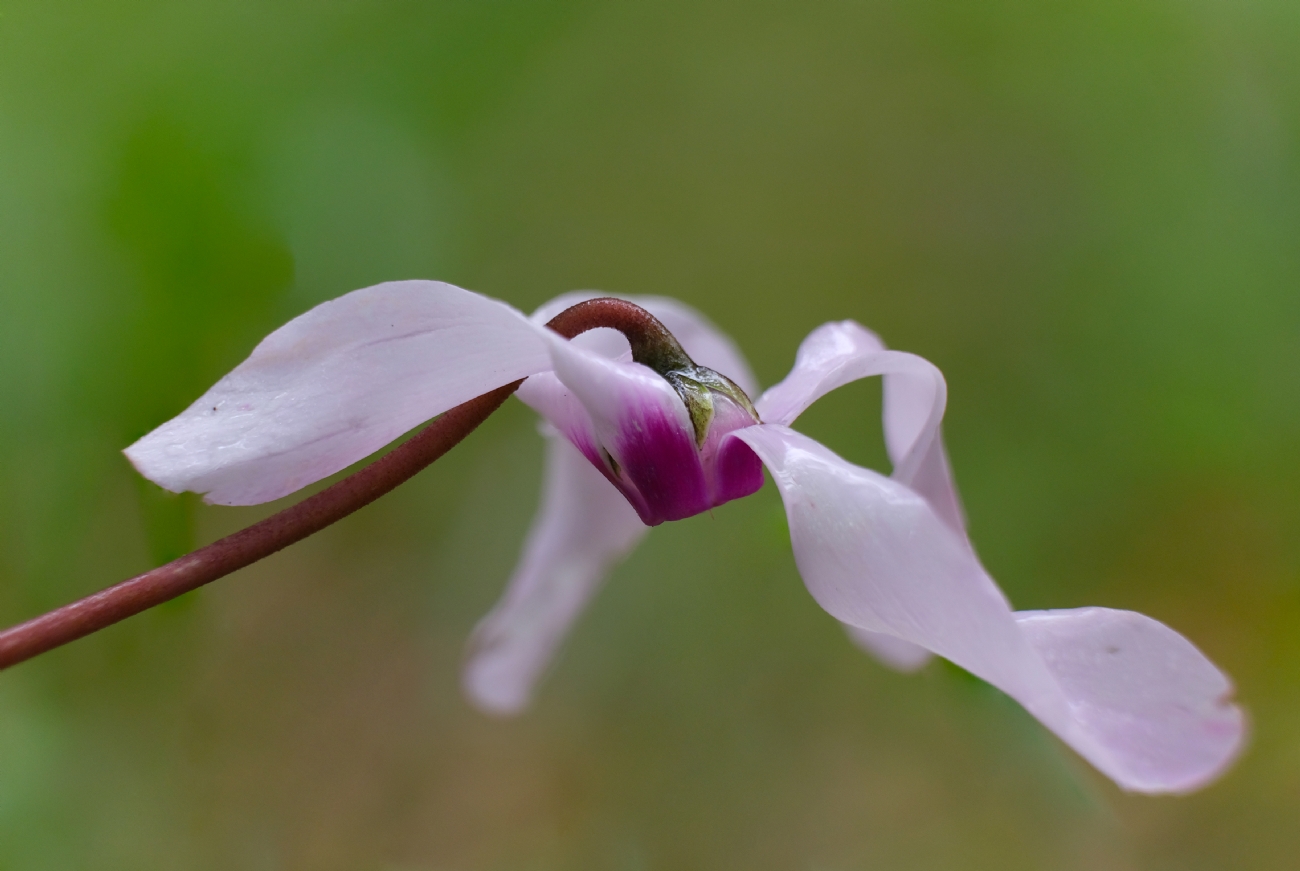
point(665, 471)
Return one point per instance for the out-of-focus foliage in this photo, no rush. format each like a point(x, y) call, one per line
point(1085, 212)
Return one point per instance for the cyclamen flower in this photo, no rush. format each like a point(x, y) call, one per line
point(629, 446)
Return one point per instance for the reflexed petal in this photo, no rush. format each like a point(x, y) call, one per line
point(336, 384)
point(932, 478)
point(876, 555)
point(582, 528)
point(836, 354)
point(914, 396)
point(1130, 678)
point(829, 357)
point(641, 422)
point(704, 343)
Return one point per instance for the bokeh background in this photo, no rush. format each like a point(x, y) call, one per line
point(1085, 212)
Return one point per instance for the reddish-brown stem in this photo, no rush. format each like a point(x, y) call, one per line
point(216, 560)
point(249, 545)
point(651, 342)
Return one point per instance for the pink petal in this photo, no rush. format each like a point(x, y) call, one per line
point(582, 528)
point(915, 393)
point(547, 395)
point(878, 556)
point(642, 424)
point(1158, 704)
point(336, 384)
point(828, 357)
point(704, 343)
point(836, 354)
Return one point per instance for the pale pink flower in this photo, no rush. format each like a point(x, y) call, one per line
point(888, 556)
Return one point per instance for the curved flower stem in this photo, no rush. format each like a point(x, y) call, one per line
point(652, 344)
point(251, 544)
point(226, 555)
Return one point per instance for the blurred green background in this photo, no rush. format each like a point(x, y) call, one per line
point(1085, 212)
